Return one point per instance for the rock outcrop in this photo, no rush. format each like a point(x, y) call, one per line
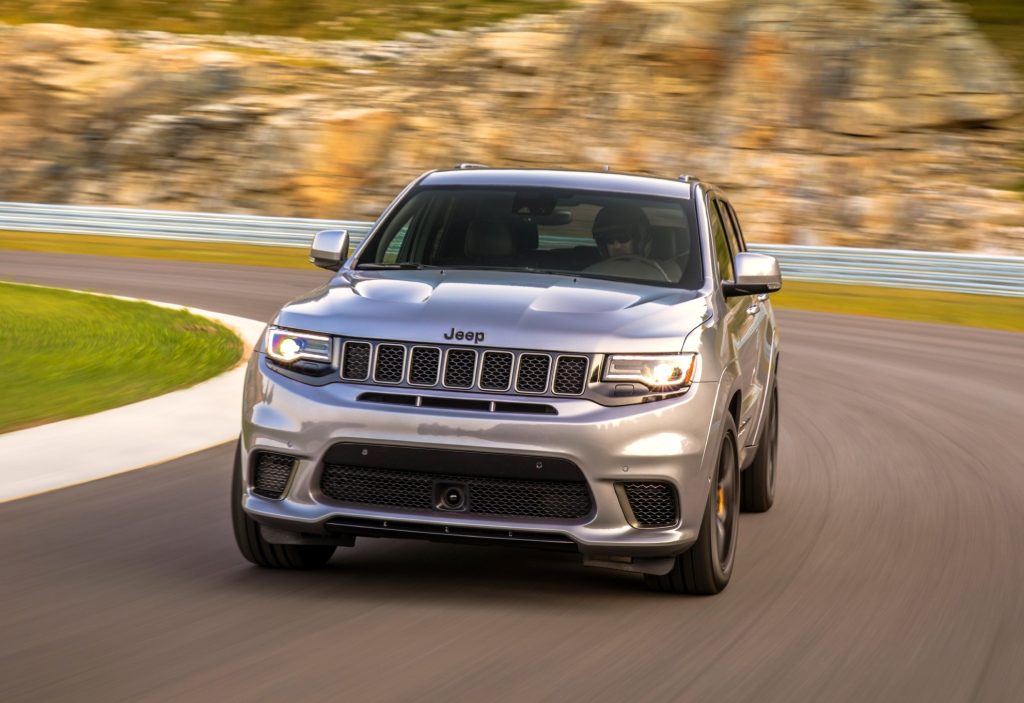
point(876, 123)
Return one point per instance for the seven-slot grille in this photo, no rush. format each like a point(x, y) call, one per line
point(485, 495)
point(456, 368)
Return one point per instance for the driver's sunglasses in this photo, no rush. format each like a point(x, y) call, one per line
point(619, 235)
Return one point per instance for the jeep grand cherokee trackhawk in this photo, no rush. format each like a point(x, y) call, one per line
point(557, 359)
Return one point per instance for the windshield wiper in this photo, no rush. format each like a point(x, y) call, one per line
point(403, 265)
point(511, 269)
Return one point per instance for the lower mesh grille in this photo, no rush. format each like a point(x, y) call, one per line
point(562, 500)
point(653, 503)
point(271, 474)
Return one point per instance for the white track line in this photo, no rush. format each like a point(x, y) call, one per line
point(130, 437)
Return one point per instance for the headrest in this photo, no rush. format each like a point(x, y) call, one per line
point(527, 235)
point(490, 236)
point(663, 242)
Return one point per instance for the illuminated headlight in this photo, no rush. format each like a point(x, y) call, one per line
point(287, 346)
point(661, 372)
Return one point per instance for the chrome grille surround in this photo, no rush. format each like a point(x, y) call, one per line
point(503, 371)
point(355, 360)
point(459, 368)
point(389, 364)
point(424, 366)
point(533, 373)
point(570, 375)
point(496, 370)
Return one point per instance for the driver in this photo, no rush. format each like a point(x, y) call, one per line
point(620, 230)
point(623, 231)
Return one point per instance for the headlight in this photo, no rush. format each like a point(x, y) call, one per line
point(287, 346)
point(659, 372)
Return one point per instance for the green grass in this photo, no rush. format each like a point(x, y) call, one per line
point(925, 306)
point(69, 354)
point(992, 312)
point(312, 19)
point(206, 252)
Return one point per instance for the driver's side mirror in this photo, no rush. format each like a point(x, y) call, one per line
point(329, 249)
point(754, 274)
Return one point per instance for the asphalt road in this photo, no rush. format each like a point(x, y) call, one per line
point(890, 569)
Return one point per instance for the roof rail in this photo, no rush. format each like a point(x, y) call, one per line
point(471, 165)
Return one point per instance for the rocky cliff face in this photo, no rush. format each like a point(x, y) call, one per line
point(885, 123)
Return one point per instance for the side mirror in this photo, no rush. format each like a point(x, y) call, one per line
point(754, 274)
point(329, 249)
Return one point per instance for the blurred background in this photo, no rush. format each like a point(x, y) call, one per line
point(890, 568)
point(890, 123)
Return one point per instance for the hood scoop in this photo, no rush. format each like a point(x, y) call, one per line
point(392, 291)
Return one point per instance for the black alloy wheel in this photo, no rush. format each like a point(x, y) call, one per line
point(706, 567)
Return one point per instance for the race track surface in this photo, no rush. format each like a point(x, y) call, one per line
point(890, 569)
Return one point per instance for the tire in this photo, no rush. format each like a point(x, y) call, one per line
point(256, 549)
point(706, 567)
point(759, 479)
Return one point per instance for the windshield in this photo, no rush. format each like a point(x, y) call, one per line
point(539, 230)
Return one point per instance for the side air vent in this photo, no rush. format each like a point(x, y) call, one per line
point(651, 503)
point(271, 473)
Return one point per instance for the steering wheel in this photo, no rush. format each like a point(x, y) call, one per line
point(603, 266)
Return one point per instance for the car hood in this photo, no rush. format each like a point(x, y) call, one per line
point(500, 309)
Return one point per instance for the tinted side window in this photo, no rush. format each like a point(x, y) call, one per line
point(736, 227)
point(730, 228)
point(719, 242)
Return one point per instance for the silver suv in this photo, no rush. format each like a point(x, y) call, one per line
point(559, 359)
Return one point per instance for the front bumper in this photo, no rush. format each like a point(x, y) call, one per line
point(666, 440)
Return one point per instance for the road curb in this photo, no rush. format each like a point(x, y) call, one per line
point(130, 437)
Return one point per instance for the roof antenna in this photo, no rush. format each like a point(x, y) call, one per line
point(605, 168)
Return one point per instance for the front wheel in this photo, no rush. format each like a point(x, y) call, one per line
point(705, 568)
point(261, 552)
